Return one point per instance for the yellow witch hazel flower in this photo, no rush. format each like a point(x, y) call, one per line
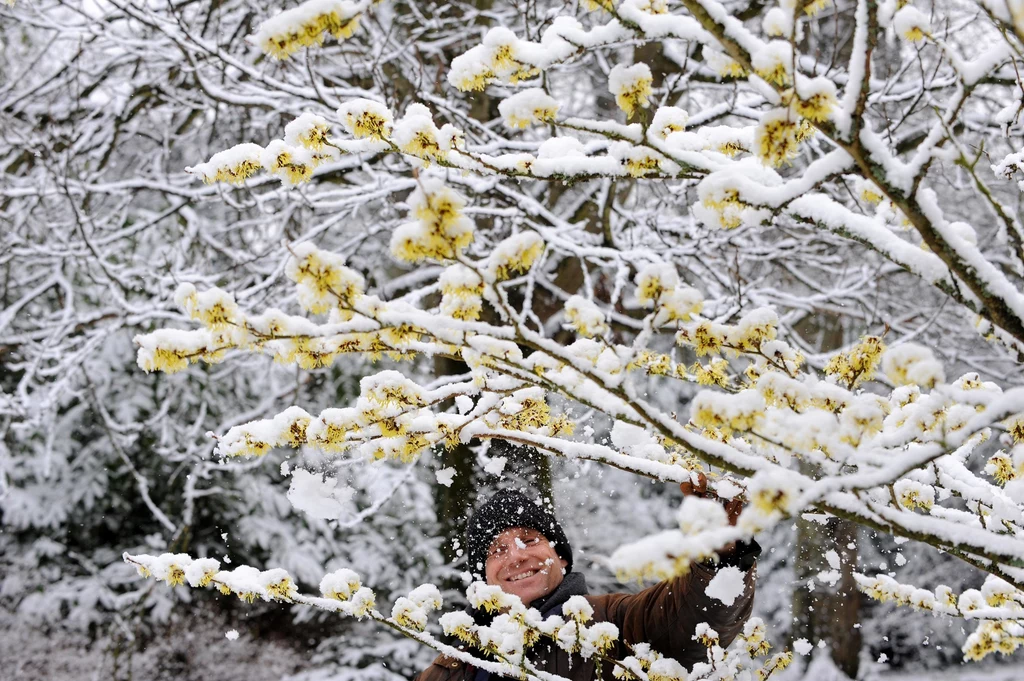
point(912, 494)
point(637, 161)
point(340, 585)
point(742, 411)
point(528, 107)
point(441, 230)
point(497, 58)
point(308, 131)
point(232, 165)
point(772, 494)
point(415, 133)
point(171, 350)
point(912, 364)
point(323, 281)
point(815, 99)
point(461, 293)
point(858, 363)
point(304, 26)
point(724, 65)
point(365, 118)
point(631, 86)
point(585, 317)
point(1005, 466)
point(391, 388)
point(654, 280)
point(667, 120)
point(294, 165)
point(515, 255)
point(678, 305)
point(867, 191)
point(911, 24)
point(772, 62)
point(213, 308)
point(775, 137)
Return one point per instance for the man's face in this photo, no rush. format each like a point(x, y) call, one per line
point(522, 562)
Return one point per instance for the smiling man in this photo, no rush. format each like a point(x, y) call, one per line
point(516, 542)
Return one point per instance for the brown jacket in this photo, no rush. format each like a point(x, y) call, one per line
point(665, 615)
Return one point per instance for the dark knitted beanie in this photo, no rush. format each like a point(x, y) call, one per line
point(507, 509)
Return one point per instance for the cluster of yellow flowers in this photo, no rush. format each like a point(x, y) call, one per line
point(441, 230)
point(461, 293)
point(585, 317)
point(232, 165)
point(727, 207)
point(772, 62)
point(304, 26)
point(497, 58)
point(777, 137)
point(1003, 637)
point(724, 65)
point(528, 107)
point(306, 145)
point(859, 363)
point(323, 282)
point(175, 569)
point(367, 119)
point(514, 255)
point(1005, 466)
point(727, 413)
point(754, 637)
point(631, 86)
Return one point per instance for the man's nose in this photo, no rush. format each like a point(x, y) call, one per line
point(517, 552)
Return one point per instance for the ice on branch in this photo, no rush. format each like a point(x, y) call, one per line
point(365, 118)
point(415, 134)
point(232, 165)
point(441, 230)
point(911, 24)
point(304, 26)
point(528, 107)
point(631, 86)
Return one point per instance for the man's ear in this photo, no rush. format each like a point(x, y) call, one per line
point(564, 563)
